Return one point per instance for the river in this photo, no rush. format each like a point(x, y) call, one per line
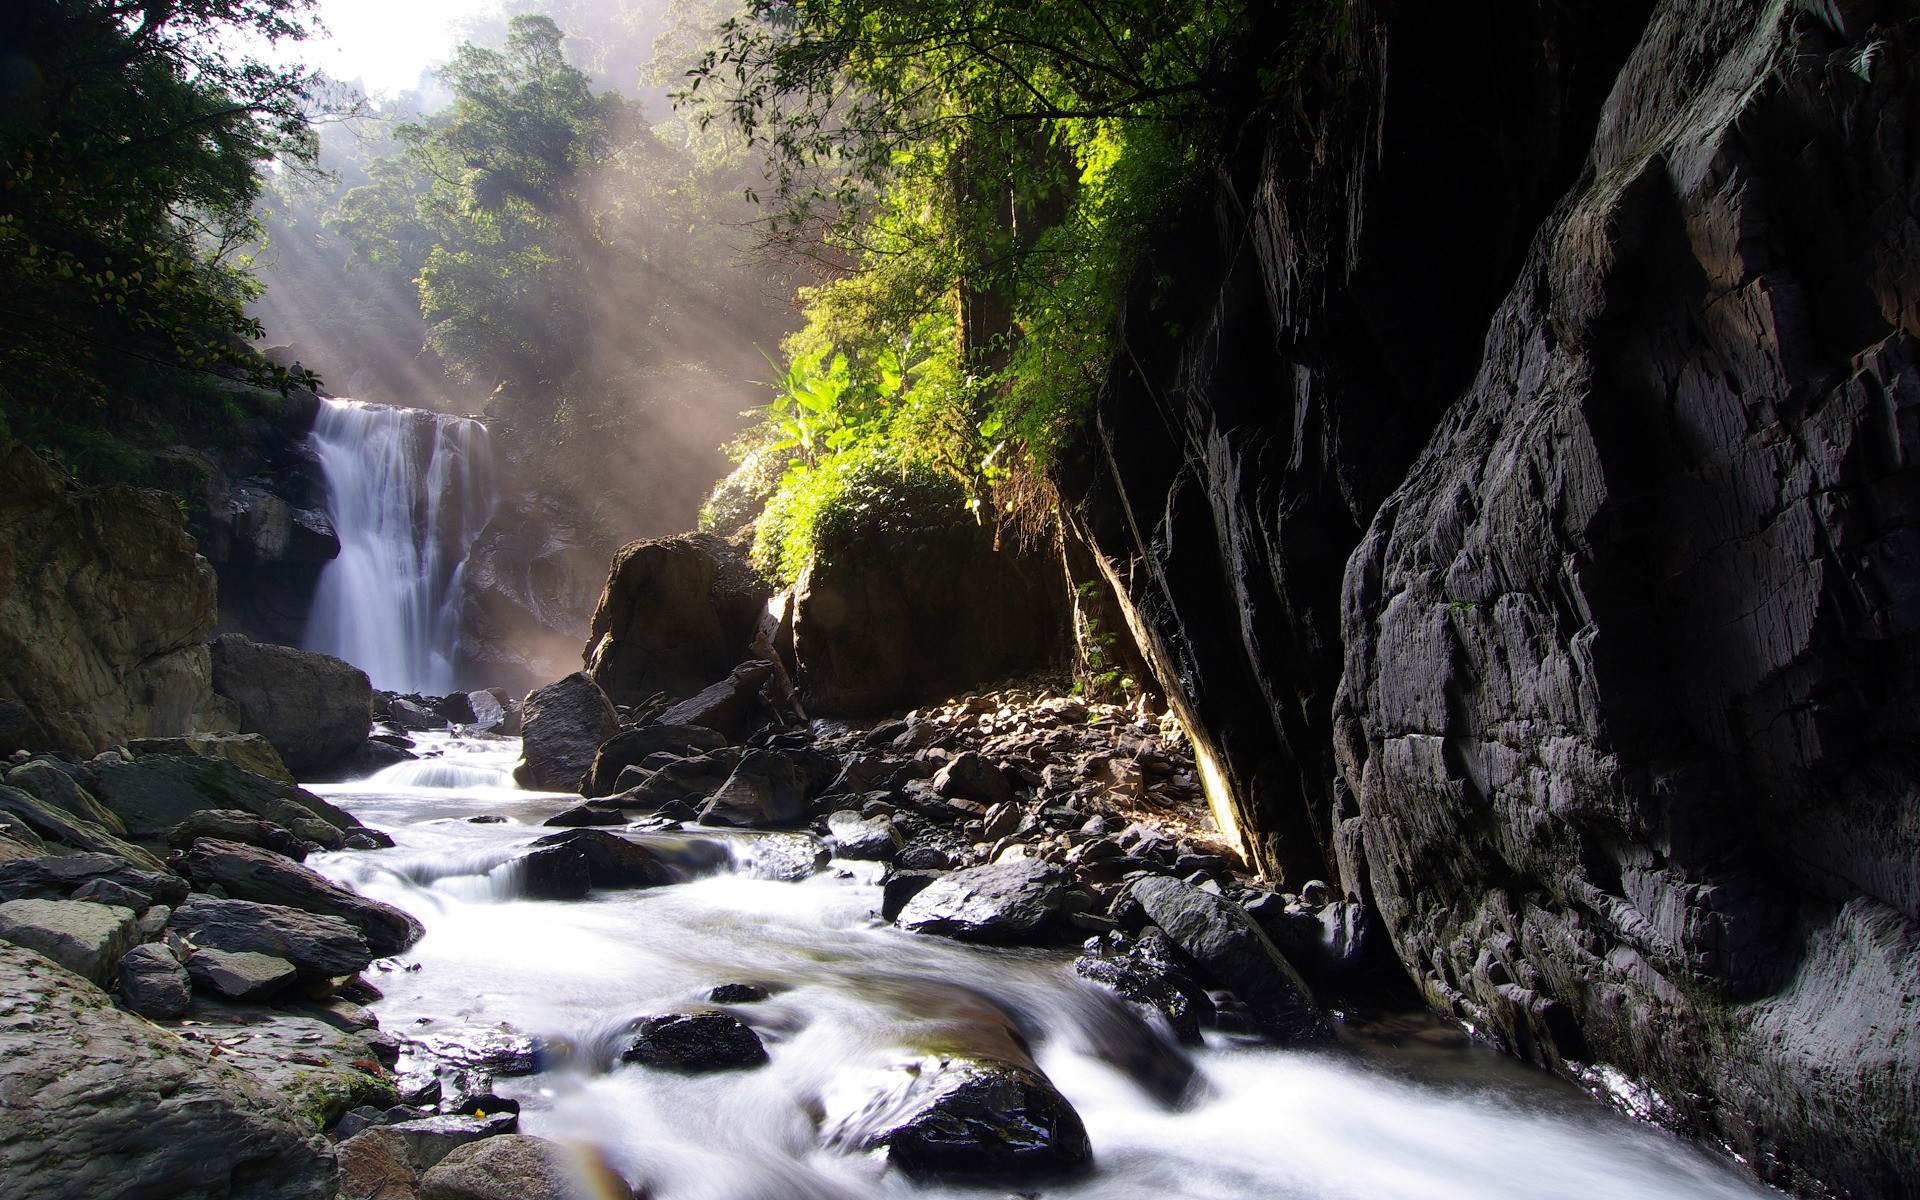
point(1403, 1110)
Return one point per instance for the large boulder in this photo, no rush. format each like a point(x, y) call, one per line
point(248, 751)
point(49, 783)
point(561, 728)
point(314, 708)
point(87, 939)
point(318, 946)
point(249, 873)
point(154, 794)
point(676, 614)
point(767, 790)
point(104, 609)
point(969, 1120)
point(909, 599)
point(729, 706)
point(1013, 901)
point(1222, 940)
point(630, 747)
point(103, 1103)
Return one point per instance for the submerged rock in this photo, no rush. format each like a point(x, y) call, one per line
point(969, 1120)
point(103, 1103)
point(562, 726)
point(701, 1041)
point(1000, 902)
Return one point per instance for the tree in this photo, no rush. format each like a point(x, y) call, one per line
point(132, 141)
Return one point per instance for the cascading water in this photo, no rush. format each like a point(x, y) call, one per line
point(410, 491)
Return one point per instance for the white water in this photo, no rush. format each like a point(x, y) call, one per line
point(409, 491)
point(1416, 1113)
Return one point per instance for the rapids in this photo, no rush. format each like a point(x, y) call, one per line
point(1406, 1110)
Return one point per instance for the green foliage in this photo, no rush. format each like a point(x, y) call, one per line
point(987, 169)
point(850, 496)
point(131, 143)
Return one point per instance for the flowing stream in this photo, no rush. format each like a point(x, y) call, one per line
point(409, 491)
point(1405, 1111)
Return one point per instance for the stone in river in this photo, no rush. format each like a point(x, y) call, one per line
point(738, 993)
point(430, 1139)
point(614, 861)
point(786, 857)
point(969, 1120)
point(851, 835)
point(249, 873)
point(1226, 944)
point(1001, 902)
point(702, 1041)
point(562, 727)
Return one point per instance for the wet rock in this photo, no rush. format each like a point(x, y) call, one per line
point(370, 758)
point(614, 861)
point(235, 825)
point(923, 858)
point(1014, 901)
point(240, 974)
point(850, 835)
point(1146, 971)
point(787, 857)
point(54, 824)
point(556, 873)
point(59, 876)
point(690, 779)
point(562, 726)
point(408, 715)
point(154, 984)
point(728, 706)
point(376, 1165)
point(87, 939)
point(900, 887)
point(695, 1042)
point(430, 1139)
point(153, 794)
point(103, 1103)
point(630, 747)
point(318, 946)
point(248, 751)
point(515, 1167)
point(314, 708)
point(767, 790)
point(249, 873)
point(499, 1049)
point(969, 1120)
point(738, 993)
point(585, 815)
point(489, 712)
point(1225, 944)
point(971, 776)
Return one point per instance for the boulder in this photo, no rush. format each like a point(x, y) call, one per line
point(900, 887)
point(1016, 901)
point(850, 835)
point(102, 1103)
point(630, 747)
point(248, 751)
point(408, 715)
point(489, 712)
point(154, 984)
point(251, 526)
point(57, 825)
point(515, 1167)
point(563, 725)
point(104, 611)
point(152, 795)
point(1233, 952)
point(555, 873)
point(430, 1139)
point(314, 708)
point(969, 1121)
point(57, 877)
point(319, 1070)
point(687, 780)
point(1146, 971)
point(786, 857)
point(240, 974)
point(695, 1042)
point(614, 861)
point(583, 815)
point(970, 776)
point(730, 706)
point(48, 783)
point(319, 947)
point(87, 939)
point(234, 825)
point(766, 791)
point(248, 873)
point(676, 614)
point(376, 1165)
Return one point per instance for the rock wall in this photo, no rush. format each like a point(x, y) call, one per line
point(1633, 655)
point(104, 612)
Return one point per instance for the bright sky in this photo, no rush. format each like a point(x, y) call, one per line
point(386, 43)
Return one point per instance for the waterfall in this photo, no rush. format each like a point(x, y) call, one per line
point(409, 491)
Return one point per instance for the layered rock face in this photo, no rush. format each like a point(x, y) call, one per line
point(104, 611)
point(1609, 351)
point(1632, 688)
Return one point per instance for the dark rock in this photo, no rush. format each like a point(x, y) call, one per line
point(235, 825)
point(57, 877)
point(318, 1070)
point(556, 873)
point(53, 786)
point(368, 759)
point(690, 779)
point(240, 974)
point(614, 861)
point(851, 835)
point(728, 706)
point(630, 747)
point(1147, 972)
point(154, 984)
point(514, 1167)
point(87, 939)
point(1224, 943)
point(1013, 901)
point(970, 1120)
point(106, 891)
point(923, 858)
point(457, 707)
point(248, 751)
point(57, 825)
point(562, 726)
point(314, 708)
point(581, 815)
point(175, 1118)
point(676, 614)
point(408, 715)
point(971, 777)
point(248, 873)
point(366, 839)
point(694, 1042)
point(767, 790)
point(900, 887)
point(320, 947)
point(157, 792)
point(738, 993)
